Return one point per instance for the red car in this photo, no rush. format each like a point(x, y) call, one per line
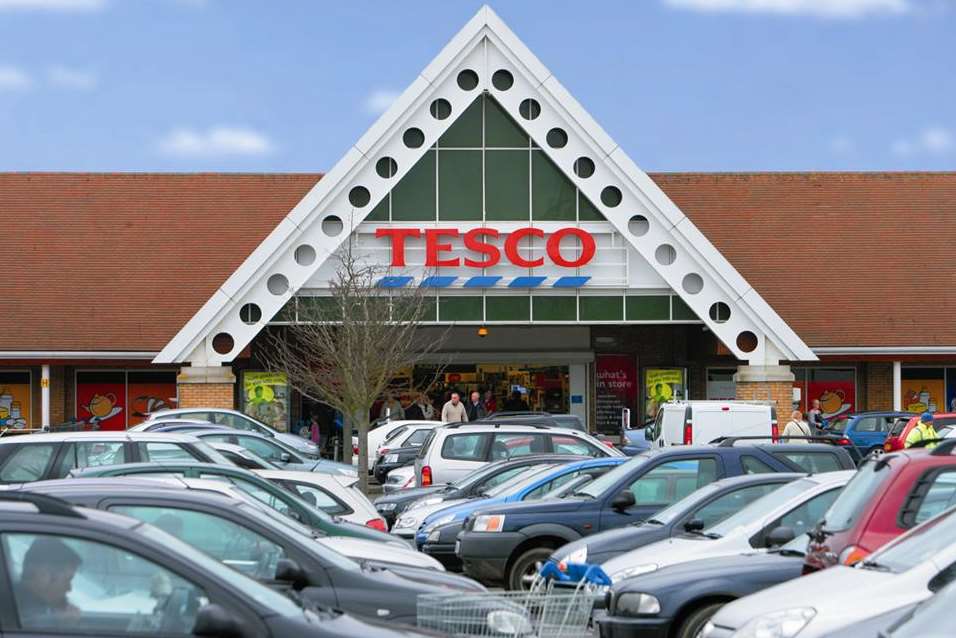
point(888, 496)
point(896, 439)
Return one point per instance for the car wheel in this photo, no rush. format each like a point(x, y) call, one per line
point(695, 622)
point(526, 567)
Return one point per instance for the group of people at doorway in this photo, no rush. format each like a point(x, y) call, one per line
point(924, 434)
point(454, 410)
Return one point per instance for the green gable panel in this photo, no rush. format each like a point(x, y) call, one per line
point(681, 311)
point(602, 308)
point(500, 130)
point(460, 309)
point(466, 130)
point(316, 309)
point(555, 308)
point(459, 185)
point(508, 308)
point(413, 198)
point(380, 212)
point(506, 185)
point(552, 194)
point(587, 212)
point(648, 308)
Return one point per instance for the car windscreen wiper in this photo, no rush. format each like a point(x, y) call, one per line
point(872, 564)
point(783, 551)
point(697, 532)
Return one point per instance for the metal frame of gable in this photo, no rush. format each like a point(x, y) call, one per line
point(698, 272)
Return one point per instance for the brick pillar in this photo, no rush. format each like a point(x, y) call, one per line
point(879, 386)
point(767, 383)
point(57, 394)
point(206, 387)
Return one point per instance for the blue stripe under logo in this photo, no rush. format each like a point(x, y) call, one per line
point(484, 281)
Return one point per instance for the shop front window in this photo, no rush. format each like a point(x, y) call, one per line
point(924, 389)
point(15, 401)
point(835, 388)
point(117, 399)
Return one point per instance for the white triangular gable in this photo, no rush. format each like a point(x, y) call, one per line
point(305, 239)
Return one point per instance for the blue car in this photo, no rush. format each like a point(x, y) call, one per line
point(866, 431)
point(437, 534)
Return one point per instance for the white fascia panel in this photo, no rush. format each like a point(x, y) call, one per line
point(582, 118)
point(194, 331)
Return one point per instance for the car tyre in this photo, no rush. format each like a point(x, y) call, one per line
point(695, 621)
point(525, 567)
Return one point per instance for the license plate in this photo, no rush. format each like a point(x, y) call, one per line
point(457, 548)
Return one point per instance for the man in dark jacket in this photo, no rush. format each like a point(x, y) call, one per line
point(476, 407)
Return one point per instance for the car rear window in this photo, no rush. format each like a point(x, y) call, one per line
point(464, 447)
point(846, 510)
point(812, 462)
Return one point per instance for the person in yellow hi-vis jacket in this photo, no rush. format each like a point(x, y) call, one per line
point(924, 431)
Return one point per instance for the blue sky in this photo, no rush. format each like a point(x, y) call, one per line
point(289, 85)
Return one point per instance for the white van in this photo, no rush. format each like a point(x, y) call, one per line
point(695, 422)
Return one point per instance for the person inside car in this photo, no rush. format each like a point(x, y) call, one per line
point(924, 431)
point(47, 577)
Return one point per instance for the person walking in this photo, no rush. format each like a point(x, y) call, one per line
point(491, 404)
point(476, 407)
point(815, 415)
point(796, 426)
point(924, 431)
point(454, 410)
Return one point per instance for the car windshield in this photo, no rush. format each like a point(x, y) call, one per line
point(600, 485)
point(529, 476)
point(763, 506)
point(916, 546)
point(670, 513)
point(214, 455)
point(858, 492)
point(838, 426)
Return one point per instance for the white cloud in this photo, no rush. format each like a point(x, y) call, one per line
point(379, 101)
point(215, 142)
point(52, 5)
point(933, 140)
point(70, 78)
point(816, 8)
point(14, 79)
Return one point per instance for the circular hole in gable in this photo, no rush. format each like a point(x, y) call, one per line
point(359, 197)
point(467, 80)
point(413, 138)
point(332, 225)
point(638, 225)
point(386, 167)
point(747, 341)
point(250, 314)
point(584, 167)
point(692, 283)
point(305, 255)
point(277, 284)
point(557, 138)
point(719, 312)
point(611, 196)
point(223, 343)
point(502, 80)
point(665, 254)
point(440, 109)
point(529, 109)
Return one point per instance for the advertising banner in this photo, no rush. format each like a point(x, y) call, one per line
point(616, 386)
point(660, 386)
point(836, 397)
point(101, 399)
point(15, 400)
point(266, 397)
point(920, 395)
point(149, 392)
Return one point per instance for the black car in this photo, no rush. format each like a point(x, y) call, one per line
point(701, 509)
point(392, 506)
point(394, 458)
point(269, 549)
point(70, 572)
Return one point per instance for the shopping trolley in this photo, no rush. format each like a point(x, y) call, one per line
point(540, 612)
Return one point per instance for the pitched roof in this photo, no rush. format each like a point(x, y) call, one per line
point(119, 262)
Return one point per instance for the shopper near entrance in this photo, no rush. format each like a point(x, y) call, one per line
point(924, 431)
point(796, 426)
point(420, 410)
point(491, 404)
point(392, 409)
point(476, 407)
point(454, 410)
point(516, 403)
point(815, 415)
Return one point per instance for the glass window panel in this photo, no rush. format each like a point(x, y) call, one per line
point(318, 497)
point(466, 131)
point(459, 185)
point(460, 309)
point(464, 447)
point(500, 130)
point(508, 446)
point(555, 308)
point(587, 211)
point(318, 309)
point(287, 312)
point(602, 308)
point(682, 311)
point(553, 194)
point(380, 212)
point(413, 198)
point(26, 463)
point(168, 452)
point(648, 308)
point(506, 185)
point(508, 308)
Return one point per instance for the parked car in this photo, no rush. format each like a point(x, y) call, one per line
point(771, 521)
point(452, 451)
point(180, 426)
point(274, 451)
point(905, 571)
point(439, 531)
point(392, 506)
point(867, 431)
point(233, 419)
point(400, 448)
point(925, 620)
point(381, 430)
point(275, 496)
point(678, 600)
point(896, 439)
point(241, 457)
point(123, 578)
point(401, 478)
point(36, 457)
point(334, 494)
point(887, 497)
point(248, 540)
point(694, 422)
point(700, 510)
point(570, 421)
point(507, 543)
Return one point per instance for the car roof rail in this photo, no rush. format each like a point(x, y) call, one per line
point(498, 424)
point(729, 441)
point(44, 503)
point(944, 447)
point(502, 413)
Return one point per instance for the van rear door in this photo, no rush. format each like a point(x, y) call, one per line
point(672, 419)
point(710, 420)
point(750, 420)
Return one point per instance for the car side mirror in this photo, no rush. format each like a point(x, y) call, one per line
point(289, 571)
point(285, 457)
point(694, 525)
point(216, 621)
point(780, 536)
point(624, 500)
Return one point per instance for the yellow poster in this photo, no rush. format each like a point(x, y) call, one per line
point(15, 403)
point(921, 395)
point(660, 386)
point(266, 398)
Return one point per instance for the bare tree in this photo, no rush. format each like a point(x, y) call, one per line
point(346, 349)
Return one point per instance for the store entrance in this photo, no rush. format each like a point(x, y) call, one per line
point(512, 386)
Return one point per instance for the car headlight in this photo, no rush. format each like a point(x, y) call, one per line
point(509, 623)
point(434, 536)
point(578, 556)
point(386, 507)
point(636, 604)
point(777, 624)
point(489, 523)
point(391, 458)
point(406, 521)
point(438, 522)
point(634, 571)
point(425, 502)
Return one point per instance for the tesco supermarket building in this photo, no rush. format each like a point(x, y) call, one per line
point(601, 286)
